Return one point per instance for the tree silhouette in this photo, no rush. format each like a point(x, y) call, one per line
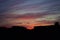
point(56, 23)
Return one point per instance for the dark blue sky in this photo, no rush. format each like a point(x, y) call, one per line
point(29, 5)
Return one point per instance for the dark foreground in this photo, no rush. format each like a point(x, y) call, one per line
point(39, 32)
point(39, 29)
point(20, 29)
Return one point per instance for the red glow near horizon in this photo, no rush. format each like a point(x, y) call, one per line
point(27, 23)
point(29, 26)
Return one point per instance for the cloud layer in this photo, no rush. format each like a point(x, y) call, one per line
point(29, 12)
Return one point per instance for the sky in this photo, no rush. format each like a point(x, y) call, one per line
point(29, 13)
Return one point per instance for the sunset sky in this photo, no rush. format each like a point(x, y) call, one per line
point(29, 13)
